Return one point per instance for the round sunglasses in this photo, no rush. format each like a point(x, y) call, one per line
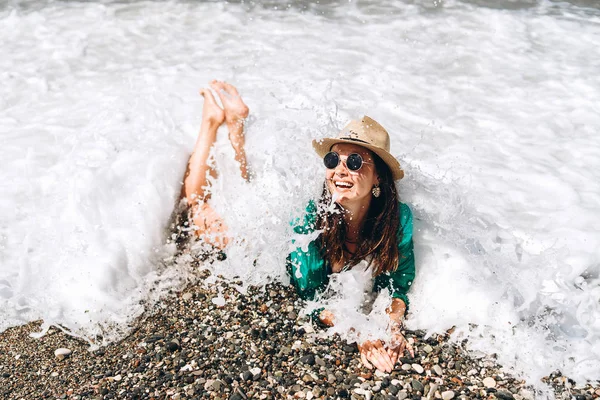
point(354, 161)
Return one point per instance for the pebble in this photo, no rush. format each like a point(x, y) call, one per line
point(431, 392)
point(236, 352)
point(380, 374)
point(489, 382)
point(418, 368)
point(62, 353)
point(417, 386)
point(503, 395)
point(308, 359)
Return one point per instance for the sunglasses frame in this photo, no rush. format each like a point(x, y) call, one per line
point(362, 161)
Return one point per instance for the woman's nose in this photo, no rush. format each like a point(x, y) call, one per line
point(341, 169)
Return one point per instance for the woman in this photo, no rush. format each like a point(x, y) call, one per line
point(368, 222)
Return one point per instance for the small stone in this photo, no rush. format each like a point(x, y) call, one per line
point(406, 367)
point(154, 338)
point(54, 374)
point(502, 395)
point(62, 353)
point(118, 378)
point(402, 395)
point(187, 296)
point(173, 345)
point(427, 349)
point(380, 374)
point(246, 376)
point(489, 382)
point(438, 370)
point(418, 368)
point(448, 394)
point(417, 386)
point(255, 371)
point(308, 359)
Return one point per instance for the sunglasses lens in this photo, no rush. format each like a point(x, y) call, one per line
point(331, 160)
point(354, 162)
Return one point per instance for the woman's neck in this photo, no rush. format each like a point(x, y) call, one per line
point(355, 217)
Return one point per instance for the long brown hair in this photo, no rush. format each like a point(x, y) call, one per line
point(379, 235)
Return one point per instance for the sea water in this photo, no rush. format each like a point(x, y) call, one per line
point(493, 110)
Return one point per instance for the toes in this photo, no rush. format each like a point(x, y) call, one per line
point(207, 94)
point(218, 86)
point(222, 86)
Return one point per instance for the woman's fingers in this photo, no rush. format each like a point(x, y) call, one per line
point(384, 362)
point(363, 355)
point(394, 354)
point(410, 349)
point(374, 354)
point(376, 360)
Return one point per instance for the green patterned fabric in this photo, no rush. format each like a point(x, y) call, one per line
point(309, 272)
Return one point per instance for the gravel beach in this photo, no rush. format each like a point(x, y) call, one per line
point(255, 345)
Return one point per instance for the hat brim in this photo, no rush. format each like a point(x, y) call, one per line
point(323, 146)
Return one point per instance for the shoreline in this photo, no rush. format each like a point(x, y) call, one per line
point(253, 346)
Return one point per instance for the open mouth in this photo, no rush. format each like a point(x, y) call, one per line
point(343, 185)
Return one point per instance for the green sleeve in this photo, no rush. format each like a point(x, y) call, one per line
point(398, 282)
point(306, 268)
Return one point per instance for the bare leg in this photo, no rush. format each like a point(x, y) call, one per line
point(210, 226)
point(195, 179)
point(236, 112)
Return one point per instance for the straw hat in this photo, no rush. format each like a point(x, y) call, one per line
point(366, 133)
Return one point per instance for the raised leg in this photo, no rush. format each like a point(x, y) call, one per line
point(209, 225)
point(236, 112)
point(195, 180)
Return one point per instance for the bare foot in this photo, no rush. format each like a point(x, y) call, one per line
point(235, 109)
point(211, 112)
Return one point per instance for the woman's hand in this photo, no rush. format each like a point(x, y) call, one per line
point(326, 317)
point(374, 354)
point(397, 346)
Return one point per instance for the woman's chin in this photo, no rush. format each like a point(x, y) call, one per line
point(342, 199)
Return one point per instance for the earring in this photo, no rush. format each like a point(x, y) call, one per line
point(376, 191)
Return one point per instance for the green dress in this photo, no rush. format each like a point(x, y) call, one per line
point(309, 272)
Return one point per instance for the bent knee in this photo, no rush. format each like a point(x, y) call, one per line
point(209, 226)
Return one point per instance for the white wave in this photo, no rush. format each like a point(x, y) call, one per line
point(492, 111)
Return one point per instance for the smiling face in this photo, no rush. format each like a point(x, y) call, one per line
point(352, 188)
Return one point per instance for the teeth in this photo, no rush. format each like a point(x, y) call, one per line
point(343, 184)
